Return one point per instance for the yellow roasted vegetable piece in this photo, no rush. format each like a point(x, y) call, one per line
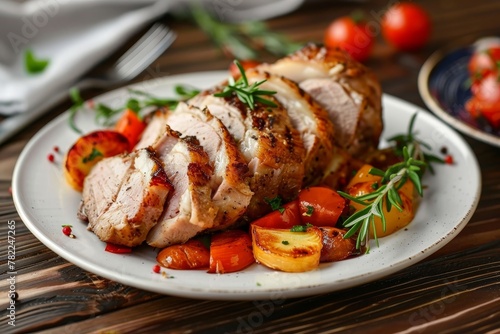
point(363, 183)
point(285, 250)
point(88, 150)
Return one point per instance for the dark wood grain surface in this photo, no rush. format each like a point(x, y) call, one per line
point(456, 290)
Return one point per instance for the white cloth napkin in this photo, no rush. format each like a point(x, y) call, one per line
point(73, 34)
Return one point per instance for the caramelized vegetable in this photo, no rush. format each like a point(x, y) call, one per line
point(285, 217)
point(364, 183)
point(131, 126)
point(190, 255)
point(230, 251)
point(285, 250)
point(90, 149)
point(335, 247)
point(320, 206)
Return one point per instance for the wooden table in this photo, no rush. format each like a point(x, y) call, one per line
point(456, 290)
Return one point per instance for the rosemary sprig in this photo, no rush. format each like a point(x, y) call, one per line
point(393, 179)
point(410, 139)
point(412, 167)
point(138, 101)
point(246, 93)
point(243, 40)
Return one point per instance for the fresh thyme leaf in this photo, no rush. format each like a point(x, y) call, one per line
point(33, 64)
point(94, 154)
point(275, 203)
point(300, 228)
point(245, 92)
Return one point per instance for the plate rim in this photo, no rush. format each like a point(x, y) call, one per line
point(423, 88)
point(242, 294)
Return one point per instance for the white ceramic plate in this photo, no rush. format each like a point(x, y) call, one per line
point(45, 202)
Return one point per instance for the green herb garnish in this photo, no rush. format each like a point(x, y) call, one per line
point(275, 203)
point(309, 211)
point(33, 64)
point(78, 103)
point(285, 242)
point(301, 228)
point(409, 140)
point(246, 93)
point(412, 167)
point(94, 154)
point(243, 41)
point(104, 114)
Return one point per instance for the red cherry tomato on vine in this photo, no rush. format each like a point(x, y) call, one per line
point(407, 26)
point(350, 35)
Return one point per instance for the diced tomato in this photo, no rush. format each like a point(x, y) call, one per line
point(289, 217)
point(190, 255)
point(489, 110)
point(230, 251)
point(484, 62)
point(321, 206)
point(131, 126)
point(117, 249)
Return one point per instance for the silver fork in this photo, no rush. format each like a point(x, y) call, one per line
point(148, 48)
point(135, 60)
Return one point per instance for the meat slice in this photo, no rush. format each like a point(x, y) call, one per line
point(231, 193)
point(270, 144)
point(345, 88)
point(190, 209)
point(155, 128)
point(123, 196)
point(308, 117)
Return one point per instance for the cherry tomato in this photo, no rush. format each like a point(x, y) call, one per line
point(407, 26)
point(321, 206)
point(230, 251)
point(247, 64)
point(352, 36)
point(286, 219)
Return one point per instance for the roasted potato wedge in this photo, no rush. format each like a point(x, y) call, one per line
point(285, 250)
point(90, 149)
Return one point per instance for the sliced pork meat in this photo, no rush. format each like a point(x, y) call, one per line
point(123, 197)
point(345, 88)
point(231, 193)
point(214, 162)
point(309, 118)
point(155, 129)
point(270, 144)
point(190, 208)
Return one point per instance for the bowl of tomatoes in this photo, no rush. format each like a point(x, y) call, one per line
point(460, 84)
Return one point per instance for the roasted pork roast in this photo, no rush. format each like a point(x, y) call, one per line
point(214, 162)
